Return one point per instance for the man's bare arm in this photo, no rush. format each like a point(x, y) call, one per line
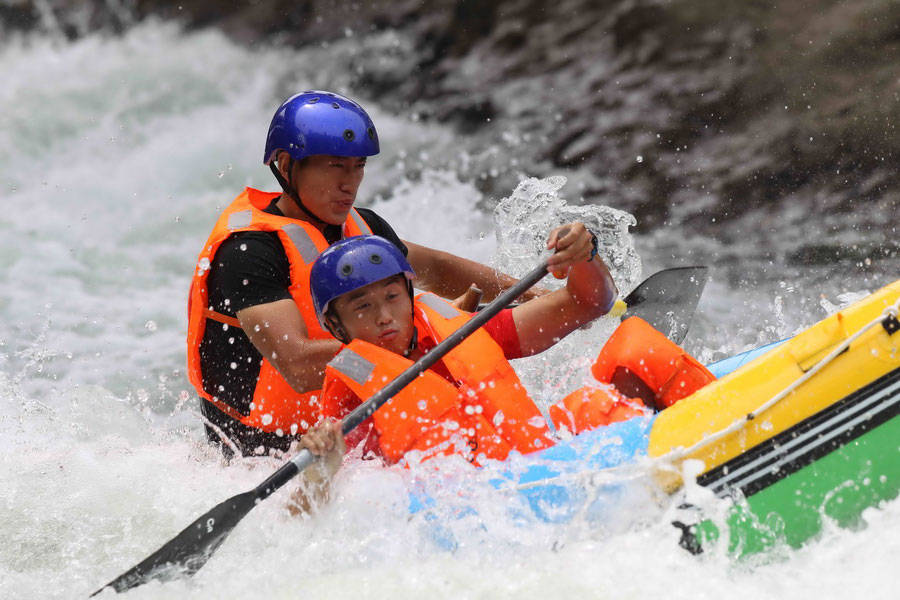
point(277, 330)
point(589, 293)
point(450, 276)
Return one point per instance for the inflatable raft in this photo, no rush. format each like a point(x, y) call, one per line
point(790, 434)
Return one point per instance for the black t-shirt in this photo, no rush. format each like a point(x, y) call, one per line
point(250, 268)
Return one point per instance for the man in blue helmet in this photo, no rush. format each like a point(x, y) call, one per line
point(256, 352)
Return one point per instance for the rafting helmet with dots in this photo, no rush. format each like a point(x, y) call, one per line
point(319, 122)
point(351, 264)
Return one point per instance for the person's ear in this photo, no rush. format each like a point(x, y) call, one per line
point(337, 328)
point(284, 164)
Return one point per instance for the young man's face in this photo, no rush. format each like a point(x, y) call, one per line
point(327, 185)
point(379, 313)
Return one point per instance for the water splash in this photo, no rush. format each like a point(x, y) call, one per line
point(522, 222)
point(524, 219)
point(103, 456)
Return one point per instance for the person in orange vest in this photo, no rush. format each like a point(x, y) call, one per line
point(255, 350)
point(471, 403)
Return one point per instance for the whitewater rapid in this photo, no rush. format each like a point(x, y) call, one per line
point(116, 155)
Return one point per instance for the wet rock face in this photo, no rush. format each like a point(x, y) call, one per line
point(681, 112)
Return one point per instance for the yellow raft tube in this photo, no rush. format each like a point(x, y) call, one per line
point(722, 403)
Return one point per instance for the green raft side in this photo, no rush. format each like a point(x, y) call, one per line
point(837, 486)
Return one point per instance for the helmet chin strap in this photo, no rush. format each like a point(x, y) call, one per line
point(289, 190)
point(413, 343)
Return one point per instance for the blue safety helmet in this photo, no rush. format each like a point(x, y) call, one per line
point(318, 122)
point(351, 264)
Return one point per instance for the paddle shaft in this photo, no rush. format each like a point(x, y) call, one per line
point(191, 548)
point(304, 458)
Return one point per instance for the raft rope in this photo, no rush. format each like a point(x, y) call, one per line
point(891, 312)
point(679, 453)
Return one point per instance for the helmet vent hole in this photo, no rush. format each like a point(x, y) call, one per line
point(312, 100)
point(375, 259)
point(335, 105)
point(346, 270)
point(371, 132)
point(349, 135)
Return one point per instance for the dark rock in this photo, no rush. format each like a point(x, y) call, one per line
point(18, 16)
point(681, 112)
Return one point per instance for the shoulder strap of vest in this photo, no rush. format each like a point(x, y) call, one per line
point(439, 319)
point(478, 364)
point(305, 240)
point(246, 214)
point(355, 225)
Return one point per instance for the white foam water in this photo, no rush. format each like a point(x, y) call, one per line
point(116, 154)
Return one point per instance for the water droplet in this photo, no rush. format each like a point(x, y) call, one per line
point(537, 421)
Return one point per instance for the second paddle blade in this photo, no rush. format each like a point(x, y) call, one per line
point(667, 300)
point(190, 549)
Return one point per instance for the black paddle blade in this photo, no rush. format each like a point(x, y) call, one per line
point(667, 300)
point(190, 549)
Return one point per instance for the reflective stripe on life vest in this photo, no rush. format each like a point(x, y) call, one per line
point(274, 407)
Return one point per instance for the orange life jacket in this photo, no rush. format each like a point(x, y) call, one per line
point(275, 406)
point(670, 372)
point(486, 412)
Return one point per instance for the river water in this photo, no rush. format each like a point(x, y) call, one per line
point(116, 154)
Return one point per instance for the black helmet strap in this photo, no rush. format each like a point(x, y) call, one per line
point(414, 341)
